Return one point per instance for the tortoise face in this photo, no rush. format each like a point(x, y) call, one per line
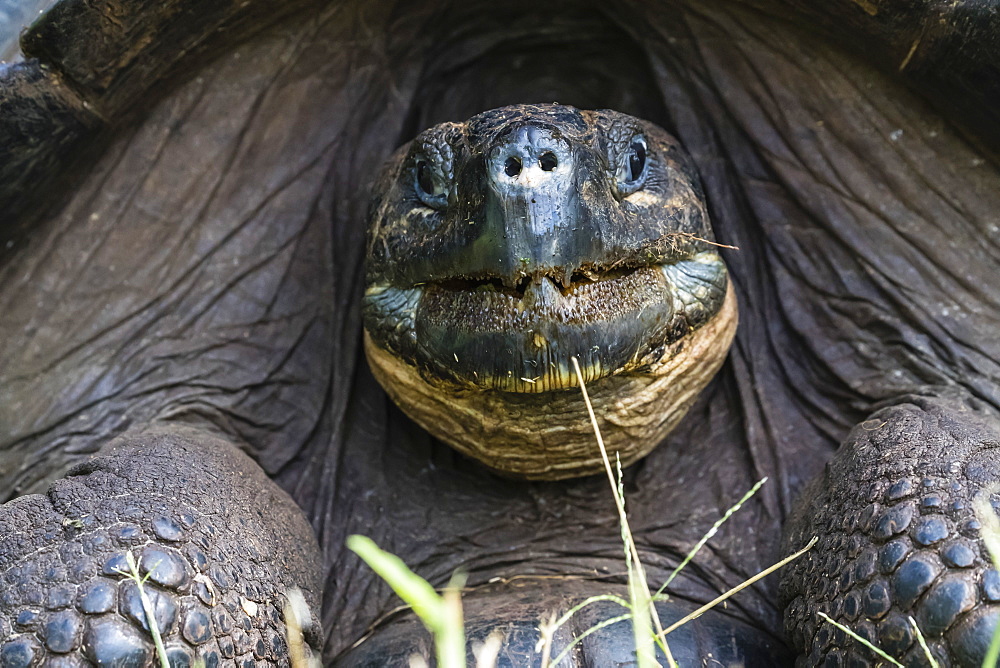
point(503, 247)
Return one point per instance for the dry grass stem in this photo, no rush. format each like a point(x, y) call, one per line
point(623, 519)
point(486, 652)
point(740, 587)
point(706, 241)
point(296, 613)
point(546, 631)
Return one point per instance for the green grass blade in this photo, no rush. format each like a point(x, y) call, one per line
point(437, 613)
point(642, 623)
point(579, 606)
point(593, 629)
point(709, 534)
point(861, 640)
point(413, 589)
point(923, 644)
point(147, 605)
point(990, 533)
point(993, 651)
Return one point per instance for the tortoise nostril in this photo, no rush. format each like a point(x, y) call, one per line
point(547, 161)
point(512, 166)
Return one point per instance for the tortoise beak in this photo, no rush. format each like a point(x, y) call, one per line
point(534, 221)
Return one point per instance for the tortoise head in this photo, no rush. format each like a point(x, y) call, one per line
point(501, 248)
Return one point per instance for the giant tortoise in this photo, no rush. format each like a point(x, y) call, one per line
point(183, 193)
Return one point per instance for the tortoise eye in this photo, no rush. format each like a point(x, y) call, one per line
point(636, 160)
point(631, 171)
point(429, 184)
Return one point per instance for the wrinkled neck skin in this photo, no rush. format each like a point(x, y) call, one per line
point(221, 293)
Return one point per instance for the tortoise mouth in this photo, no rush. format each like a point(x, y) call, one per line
point(567, 283)
point(521, 335)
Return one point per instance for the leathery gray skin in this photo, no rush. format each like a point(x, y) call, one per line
point(206, 270)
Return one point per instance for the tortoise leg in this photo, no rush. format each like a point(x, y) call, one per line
point(220, 542)
point(899, 538)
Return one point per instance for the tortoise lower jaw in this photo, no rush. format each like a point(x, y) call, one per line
point(548, 436)
point(524, 344)
point(494, 338)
